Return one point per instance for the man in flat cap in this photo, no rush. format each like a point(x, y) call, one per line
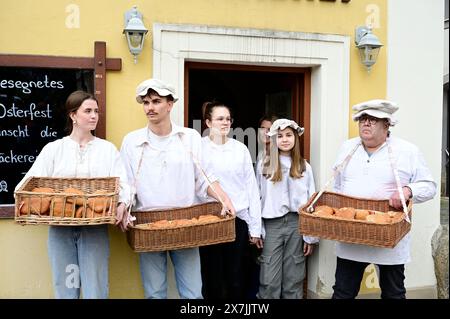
point(159, 160)
point(371, 162)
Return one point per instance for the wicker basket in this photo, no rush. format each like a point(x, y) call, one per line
point(353, 231)
point(65, 215)
point(144, 240)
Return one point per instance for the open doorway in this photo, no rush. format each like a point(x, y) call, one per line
point(250, 92)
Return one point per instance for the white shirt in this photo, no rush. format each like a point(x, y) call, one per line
point(288, 195)
point(63, 158)
point(168, 176)
point(372, 177)
point(232, 165)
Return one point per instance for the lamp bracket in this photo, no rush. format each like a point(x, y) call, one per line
point(132, 13)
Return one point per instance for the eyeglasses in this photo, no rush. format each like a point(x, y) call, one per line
point(221, 119)
point(372, 120)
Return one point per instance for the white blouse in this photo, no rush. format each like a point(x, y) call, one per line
point(231, 163)
point(64, 158)
point(288, 195)
point(372, 177)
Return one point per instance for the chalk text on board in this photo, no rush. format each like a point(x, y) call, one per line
point(31, 112)
point(27, 85)
point(19, 132)
point(3, 186)
point(12, 158)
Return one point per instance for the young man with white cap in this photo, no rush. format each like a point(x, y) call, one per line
point(159, 160)
point(369, 173)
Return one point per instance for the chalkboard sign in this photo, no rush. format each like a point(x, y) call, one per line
point(31, 115)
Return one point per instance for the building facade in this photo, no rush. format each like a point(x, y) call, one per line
point(294, 57)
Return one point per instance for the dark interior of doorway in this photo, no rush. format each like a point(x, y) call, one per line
point(249, 94)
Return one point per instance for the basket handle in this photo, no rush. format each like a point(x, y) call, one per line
point(197, 164)
point(194, 159)
point(338, 170)
point(133, 189)
point(397, 181)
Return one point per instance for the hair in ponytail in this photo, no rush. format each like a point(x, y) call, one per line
point(208, 109)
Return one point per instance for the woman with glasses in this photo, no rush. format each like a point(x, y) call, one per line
point(223, 265)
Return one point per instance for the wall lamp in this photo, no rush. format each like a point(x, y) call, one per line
point(135, 31)
point(368, 46)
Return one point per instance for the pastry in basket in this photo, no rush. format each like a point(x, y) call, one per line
point(36, 204)
point(361, 214)
point(144, 226)
point(346, 212)
point(80, 213)
point(79, 200)
point(379, 218)
point(99, 203)
point(396, 216)
point(181, 222)
point(324, 211)
point(160, 224)
point(61, 209)
point(208, 218)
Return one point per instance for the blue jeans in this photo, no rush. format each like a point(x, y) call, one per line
point(186, 263)
point(79, 257)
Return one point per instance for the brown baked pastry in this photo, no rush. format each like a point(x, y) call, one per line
point(324, 211)
point(37, 204)
point(79, 200)
point(57, 205)
point(361, 214)
point(208, 218)
point(346, 212)
point(379, 218)
point(99, 203)
point(160, 224)
point(80, 213)
point(181, 222)
point(144, 226)
point(396, 216)
point(43, 190)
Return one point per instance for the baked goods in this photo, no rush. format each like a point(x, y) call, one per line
point(208, 218)
point(90, 213)
point(61, 207)
point(346, 212)
point(79, 212)
point(324, 211)
point(36, 204)
point(361, 214)
point(79, 200)
point(182, 222)
point(396, 216)
point(43, 190)
point(168, 224)
point(379, 218)
point(99, 203)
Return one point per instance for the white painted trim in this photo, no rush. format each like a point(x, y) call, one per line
point(328, 56)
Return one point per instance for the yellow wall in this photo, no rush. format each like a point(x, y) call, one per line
point(39, 27)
